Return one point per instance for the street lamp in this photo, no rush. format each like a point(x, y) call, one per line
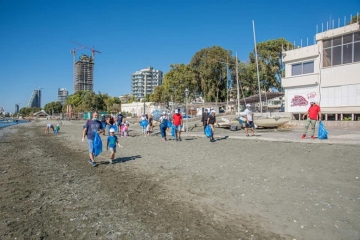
point(186, 95)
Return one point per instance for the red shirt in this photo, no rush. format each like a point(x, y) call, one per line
point(177, 119)
point(314, 112)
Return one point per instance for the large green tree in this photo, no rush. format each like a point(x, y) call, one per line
point(209, 65)
point(53, 107)
point(270, 63)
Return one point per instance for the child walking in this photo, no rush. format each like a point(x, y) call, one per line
point(111, 143)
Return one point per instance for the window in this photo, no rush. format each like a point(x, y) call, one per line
point(302, 68)
point(341, 50)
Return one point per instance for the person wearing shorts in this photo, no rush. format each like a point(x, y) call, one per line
point(92, 126)
point(48, 126)
point(112, 140)
point(211, 121)
point(177, 121)
point(249, 120)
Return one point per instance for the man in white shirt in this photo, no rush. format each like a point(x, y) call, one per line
point(249, 116)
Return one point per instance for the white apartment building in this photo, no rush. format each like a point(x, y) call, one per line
point(328, 72)
point(145, 81)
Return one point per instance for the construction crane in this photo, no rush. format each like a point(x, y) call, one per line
point(92, 49)
point(74, 59)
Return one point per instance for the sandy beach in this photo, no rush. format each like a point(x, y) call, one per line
point(247, 188)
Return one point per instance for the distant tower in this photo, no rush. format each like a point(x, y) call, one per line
point(35, 99)
point(17, 108)
point(62, 95)
point(84, 74)
point(145, 81)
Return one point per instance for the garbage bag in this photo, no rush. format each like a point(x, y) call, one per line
point(208, 131)
point(322, 132)
point(144, 123)
point(97, 144)
point(169, 124)
point(173, 132)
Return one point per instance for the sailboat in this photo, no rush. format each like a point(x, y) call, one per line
point(265, 120)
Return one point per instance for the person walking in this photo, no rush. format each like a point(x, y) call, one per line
point(92, 126)
point(211, 121)
point(163, 125)
point(119, 120)
point(204, 118)
point(177, 121)
point(249, 120)
point(313, 115)
point(112, 141)
point(149, 127)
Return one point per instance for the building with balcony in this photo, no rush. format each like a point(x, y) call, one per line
point(328, 72)
point(145, 81)
point(62, 95)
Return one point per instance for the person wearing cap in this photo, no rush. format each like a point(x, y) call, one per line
point(163, 125)
point(119, 120)
point(177, 121)
point(211, 121)
point(313, 115)
point(204, 118)
point(112, 140)
point(249, 120)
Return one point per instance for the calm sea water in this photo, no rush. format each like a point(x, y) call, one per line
point(6, 124)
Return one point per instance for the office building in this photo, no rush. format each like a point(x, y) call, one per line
point(17, 108)
point(84, 74)
point(145, 81)
point(327, 72)
point(35, 99)
point(62, 95)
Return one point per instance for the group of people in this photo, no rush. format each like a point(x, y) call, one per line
point(121, 126)
point(94, 126)
point(54, 129)
point(176, 122)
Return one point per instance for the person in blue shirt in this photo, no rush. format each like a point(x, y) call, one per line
point(112, 140)
point(92, 126)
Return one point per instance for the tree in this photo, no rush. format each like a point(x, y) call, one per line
point(53, 107)
point(270, 62)
point(209, 65)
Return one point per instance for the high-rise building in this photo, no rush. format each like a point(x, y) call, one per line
point(17, 108)
point(84, 74)
point(145, 81)
point(35, 99)
point(62, 95)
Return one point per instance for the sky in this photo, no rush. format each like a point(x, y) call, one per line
point(36, 37)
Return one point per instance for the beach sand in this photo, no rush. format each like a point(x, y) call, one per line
point(193, 189)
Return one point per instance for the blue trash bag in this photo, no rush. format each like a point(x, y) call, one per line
point(169, 124)
point(114, 127)
point(144, 123)
point(322, 132)
point(208, 131)
point(97, 144)
point(55, 132)
point(173, 132)
point(103, 126)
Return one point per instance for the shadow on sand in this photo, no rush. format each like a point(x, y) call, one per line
point(122, 159)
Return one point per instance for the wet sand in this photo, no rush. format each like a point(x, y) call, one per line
point(193, 189)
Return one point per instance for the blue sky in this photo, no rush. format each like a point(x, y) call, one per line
point(35, 37)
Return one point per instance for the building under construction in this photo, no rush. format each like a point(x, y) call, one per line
point(84, 74)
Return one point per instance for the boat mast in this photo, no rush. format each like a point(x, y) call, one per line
point(237, 82)
point(257, 67)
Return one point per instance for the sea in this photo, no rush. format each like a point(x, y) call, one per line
point(5, 123)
